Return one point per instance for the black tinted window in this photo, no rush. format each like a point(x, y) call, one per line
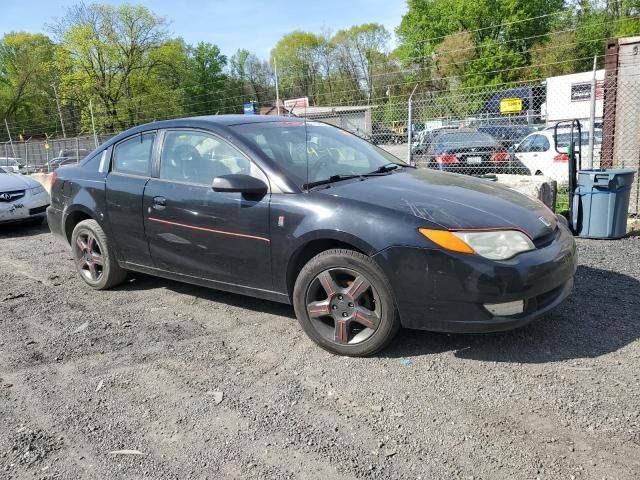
point(134, 155)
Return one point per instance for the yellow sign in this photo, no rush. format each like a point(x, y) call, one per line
point(511, 105)
point(46, 146)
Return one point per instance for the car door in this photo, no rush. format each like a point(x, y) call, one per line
point(526, 154)
point(193, 230)
point(129, 173)
point(543, 155)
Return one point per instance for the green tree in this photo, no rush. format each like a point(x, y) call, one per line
point(27, 73)
point(298, 62)
point(111, 51)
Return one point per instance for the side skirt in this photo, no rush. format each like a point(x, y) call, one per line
point(203, 282)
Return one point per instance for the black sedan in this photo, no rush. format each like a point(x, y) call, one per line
point(305, 213)
point(466, 151)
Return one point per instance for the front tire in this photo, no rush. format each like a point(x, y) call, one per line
point(344, 303)
point(94, 259)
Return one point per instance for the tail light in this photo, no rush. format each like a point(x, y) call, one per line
point(447, 159)
point(562, 157)
point(54, 177)
point(500, 157)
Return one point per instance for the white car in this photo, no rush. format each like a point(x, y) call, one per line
point(538, 153)
point(21, 198)
point(10, 164)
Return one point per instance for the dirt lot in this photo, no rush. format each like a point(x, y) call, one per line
point(141, 369)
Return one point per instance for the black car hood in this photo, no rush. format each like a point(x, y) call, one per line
point(452, 201)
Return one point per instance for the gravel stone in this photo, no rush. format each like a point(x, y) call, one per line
point(556, 399)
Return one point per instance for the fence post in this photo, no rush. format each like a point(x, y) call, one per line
point(77, 150)
point(410, 127)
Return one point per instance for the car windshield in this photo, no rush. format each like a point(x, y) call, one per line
point(316, 151)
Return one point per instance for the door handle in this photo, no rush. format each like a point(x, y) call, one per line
point(159, 203)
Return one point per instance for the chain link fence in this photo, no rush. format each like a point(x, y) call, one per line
point(521, 130)
point(45, 155)
point(479, 131)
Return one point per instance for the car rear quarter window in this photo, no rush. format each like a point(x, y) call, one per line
point(133, 156)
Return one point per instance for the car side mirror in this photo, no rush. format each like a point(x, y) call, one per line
point(239, 183)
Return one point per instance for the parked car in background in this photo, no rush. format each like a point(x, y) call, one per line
point(424, 138)
point(508, 135)
point(304, 213)
point(382, 135)
point(467, 151)
point(11, 164)
point(22, 199)
point(539, 154)
point(68, 156)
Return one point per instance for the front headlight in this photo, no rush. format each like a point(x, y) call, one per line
point(37, 190)
point(491, 244)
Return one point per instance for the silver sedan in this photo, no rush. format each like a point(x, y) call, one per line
point(21, 198)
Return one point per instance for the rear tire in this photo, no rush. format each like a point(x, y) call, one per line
point(94, 259)
point(344, 303)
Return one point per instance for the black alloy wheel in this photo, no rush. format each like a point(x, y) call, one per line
point(344, 303)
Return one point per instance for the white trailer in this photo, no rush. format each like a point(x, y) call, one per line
point(569, 97)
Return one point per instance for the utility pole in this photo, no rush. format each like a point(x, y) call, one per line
point(275, 70)
point(93, 123)
point(55, 93)
point(592, 117)
point(10, 141)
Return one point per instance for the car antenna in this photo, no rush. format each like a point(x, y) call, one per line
point(306, 149)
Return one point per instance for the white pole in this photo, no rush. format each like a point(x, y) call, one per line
point(275, 70)
point(55, 93)
point(592, 118)
point(93, 123)
point(10, 141)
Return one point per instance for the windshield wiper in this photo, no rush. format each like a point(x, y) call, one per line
point(331, 179)
point(386, 168)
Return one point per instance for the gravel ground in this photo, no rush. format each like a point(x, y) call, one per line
point(162, 380)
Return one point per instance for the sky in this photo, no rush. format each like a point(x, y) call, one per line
point(231, 24)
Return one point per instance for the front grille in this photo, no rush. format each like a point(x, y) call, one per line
point(541, 301)
point(11, 196)
point(37, 210)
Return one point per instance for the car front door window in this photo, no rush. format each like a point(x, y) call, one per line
point(525, 146)
point(199, 157)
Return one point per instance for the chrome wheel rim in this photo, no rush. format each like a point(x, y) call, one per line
point(343, 306)
point(89, 258)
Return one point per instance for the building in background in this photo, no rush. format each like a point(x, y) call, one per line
point(568, 97)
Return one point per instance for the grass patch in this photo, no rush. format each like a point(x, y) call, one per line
point(562, 200)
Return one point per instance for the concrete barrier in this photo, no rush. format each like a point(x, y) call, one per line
point(541, 188)
point(44, 179)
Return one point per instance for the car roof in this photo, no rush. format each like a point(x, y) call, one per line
point(228, 120)
point(204, 121)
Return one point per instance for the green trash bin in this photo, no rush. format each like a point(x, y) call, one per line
point(602, 201)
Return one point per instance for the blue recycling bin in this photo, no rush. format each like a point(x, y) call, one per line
point(601, 203)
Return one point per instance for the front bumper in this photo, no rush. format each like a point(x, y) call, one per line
point(446, 291)
point(25, 208)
